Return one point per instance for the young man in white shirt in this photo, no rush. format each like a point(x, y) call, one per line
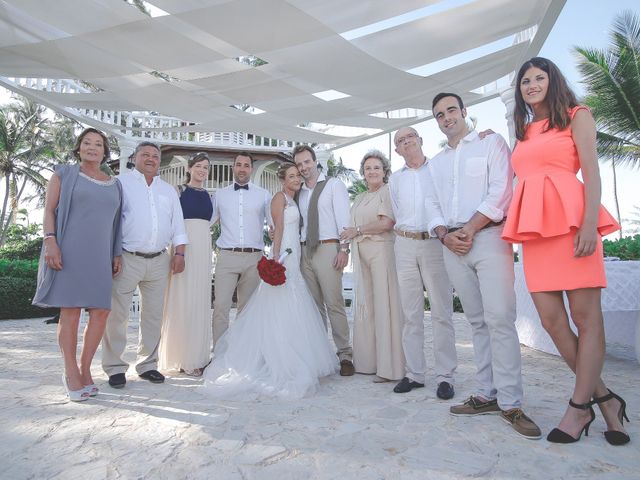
point(469, 195)
point(323, 257)
point(242, 209)
point(419, 264)
point(151, 221)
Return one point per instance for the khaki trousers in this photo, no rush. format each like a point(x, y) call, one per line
point(420, 263)
point(233, 269)
point(325, 285)
point(484, 281)
point(150, 275)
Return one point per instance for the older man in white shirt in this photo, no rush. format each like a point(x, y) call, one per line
point(420, 264)
point(324, 206)
point(151, 221)
point(242, 209)
point(471, 188)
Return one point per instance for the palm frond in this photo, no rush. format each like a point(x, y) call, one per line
point(612, 80)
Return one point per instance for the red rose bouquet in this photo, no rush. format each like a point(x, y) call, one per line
point(271, 271)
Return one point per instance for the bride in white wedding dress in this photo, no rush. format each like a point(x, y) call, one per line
point(277, 345)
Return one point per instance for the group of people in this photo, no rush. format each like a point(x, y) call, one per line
point(435, 225)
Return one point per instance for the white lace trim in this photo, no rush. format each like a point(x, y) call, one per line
point(105, 183)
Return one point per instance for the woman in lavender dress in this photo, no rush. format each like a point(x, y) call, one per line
point(80, 255)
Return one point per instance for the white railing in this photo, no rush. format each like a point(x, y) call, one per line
point(147, 125)
point(220, 175)
point(269, 180)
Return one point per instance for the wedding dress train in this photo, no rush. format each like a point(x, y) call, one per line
point(277, 345)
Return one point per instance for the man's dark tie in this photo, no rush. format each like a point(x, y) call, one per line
point(237, 186)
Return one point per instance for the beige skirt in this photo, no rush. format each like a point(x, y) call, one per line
point(186, 328)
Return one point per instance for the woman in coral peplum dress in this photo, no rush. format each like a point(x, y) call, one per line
point(560, 223)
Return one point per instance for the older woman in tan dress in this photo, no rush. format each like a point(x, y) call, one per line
point(377, 323)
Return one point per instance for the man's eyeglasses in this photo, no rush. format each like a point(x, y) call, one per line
point(408, 136)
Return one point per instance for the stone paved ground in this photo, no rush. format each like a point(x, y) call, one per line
point(351, 429)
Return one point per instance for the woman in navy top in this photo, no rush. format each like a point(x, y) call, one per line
point(185, 344)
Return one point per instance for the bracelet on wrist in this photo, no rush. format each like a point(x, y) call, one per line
point(179, 254)
point(49, 235)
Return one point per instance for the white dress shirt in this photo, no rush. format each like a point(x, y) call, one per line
point(334, 211)
point(151, 214)
point(408, 187)
point(474, 176)
point(242, 214)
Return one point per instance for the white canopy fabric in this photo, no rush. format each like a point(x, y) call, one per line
point(183, 64)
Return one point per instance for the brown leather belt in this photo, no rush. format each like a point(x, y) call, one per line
point(242, 250)
point(146, 255)
point(488, 225)
point(329, 240)
point(413, 235)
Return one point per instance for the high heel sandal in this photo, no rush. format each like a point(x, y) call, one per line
point(614, 437)
point(558, 436)
point(92, 389)
point(75, 395)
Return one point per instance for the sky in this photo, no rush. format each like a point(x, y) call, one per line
point(582, 22)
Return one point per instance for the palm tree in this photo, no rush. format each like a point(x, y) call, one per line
point(23, 147)
point(336, 168)
point(612, 81)
point(30, 145)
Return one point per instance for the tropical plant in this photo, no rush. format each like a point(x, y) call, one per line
point(627, 248)
point(337, 169)
point(356, 188)
point(612, 81)
point(24, 152)
point(30, 145)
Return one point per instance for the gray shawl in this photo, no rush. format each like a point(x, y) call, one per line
point(68, 175)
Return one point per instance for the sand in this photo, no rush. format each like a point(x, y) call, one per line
point(351, 428)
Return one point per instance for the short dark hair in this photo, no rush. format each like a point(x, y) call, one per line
point(105, 143)
point(146, 143)
point(244, 154)
point(442, 95)
point(560, 98)
point(303, 148)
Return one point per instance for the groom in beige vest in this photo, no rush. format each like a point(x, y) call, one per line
point(324, 206)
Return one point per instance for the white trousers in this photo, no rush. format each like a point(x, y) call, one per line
point(484, 281)
point(420, 263)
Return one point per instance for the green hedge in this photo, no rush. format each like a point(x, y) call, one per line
point(19, 292)
point(627, 248)
point(457, 306)
point(23, 250)
point(18, 268)
point(18, 280)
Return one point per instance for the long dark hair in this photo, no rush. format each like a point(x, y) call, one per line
point(560, 98)
point(195, 158)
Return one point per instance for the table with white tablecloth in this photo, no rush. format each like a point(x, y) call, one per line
point(620, 305)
